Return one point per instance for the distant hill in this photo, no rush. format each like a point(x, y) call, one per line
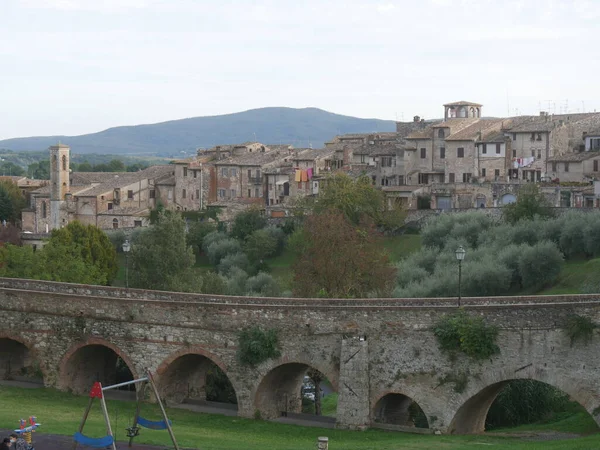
point(298, 127)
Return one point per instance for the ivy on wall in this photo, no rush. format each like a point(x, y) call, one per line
point(256, 345)
point(461, 332)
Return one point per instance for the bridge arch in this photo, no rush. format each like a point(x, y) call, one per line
point(19, 357)
point(183, 376)
point(471, 416)
point(397, 408)
point(94, 359)
point(279, 389)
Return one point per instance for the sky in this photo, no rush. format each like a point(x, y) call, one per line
point(70, 67)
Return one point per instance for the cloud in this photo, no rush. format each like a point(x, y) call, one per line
point(108, 6)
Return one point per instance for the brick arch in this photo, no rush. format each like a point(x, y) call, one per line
point(392, 407)
point(472, 412)
point(63, 381)
point(190, 365)
point(279, 385)
point(35, 354)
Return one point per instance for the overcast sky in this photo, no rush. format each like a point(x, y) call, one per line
point(79, 66)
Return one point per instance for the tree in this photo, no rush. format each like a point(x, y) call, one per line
point(39, 170)
point(530, 204)
point(162, 259)
point(11, 169)
point(355, 199)
point(85, 167)
point(341, 260)
point(247, 222)
point(197, 231)
point(12, 201)
point(317, 378)
point(92, 244)
point(116, 165)
point(260, 245)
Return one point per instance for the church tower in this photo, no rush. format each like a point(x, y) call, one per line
point(59, 181)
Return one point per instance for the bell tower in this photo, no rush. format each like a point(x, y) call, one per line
point(59, 180)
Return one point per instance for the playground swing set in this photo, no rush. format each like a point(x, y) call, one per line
point(108, 441)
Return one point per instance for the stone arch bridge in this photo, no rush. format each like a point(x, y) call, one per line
point(380, 355)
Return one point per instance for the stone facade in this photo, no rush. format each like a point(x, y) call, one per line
point(374, 352)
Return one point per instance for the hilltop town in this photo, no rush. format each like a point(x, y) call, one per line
point(463, 161)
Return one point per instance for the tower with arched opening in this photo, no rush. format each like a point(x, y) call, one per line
point(462, 110)
point(59, 181)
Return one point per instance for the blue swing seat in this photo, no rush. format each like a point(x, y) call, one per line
point(160, 425)
point(102, 442)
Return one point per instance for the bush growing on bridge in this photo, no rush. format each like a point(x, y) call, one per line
point(580, 328)
point(461, 332)
point(256, 345)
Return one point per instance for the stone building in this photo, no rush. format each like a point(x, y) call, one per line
point(110, 200)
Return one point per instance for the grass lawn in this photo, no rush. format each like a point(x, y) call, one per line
point(60, 413)
point(403, 245)
point(573, 276)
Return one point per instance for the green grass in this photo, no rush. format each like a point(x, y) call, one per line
point(573, 276)
point(60, 413)
point(329, 405)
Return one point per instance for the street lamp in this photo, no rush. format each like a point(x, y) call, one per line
point(460, 255)
point(126, 249)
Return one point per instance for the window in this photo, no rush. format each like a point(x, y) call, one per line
point(152, 193)
point(460, 152)
point(595, 165)
point(514, 153)
point(249, 173)
point(270, 186)
point(109, 206)
point(532, 138)
point(271, 201)
point(45, 211)
point(441, 133)
point(496, 173)
point(498, 148)
point(234, 172)
point(539, 136)
point(137, 223)
point(442, 152)
point(539, 154)
point(386, 161)
point(566, 167)
point(185, 171)
point(450, 178)
point(183, 193)
point(514, 136)
point(484, 149)
point(195, 173)
point(483, 172)
point(224, 172)
point(115, 223)
point(233, 193)
point(129, 195)
point(257, 173)
point(257, 192)
point(423, 153)
point(222, 193)
point(197, 193)
point(64, 162)
point(249, 193)
point(533, 153)
point(553, 167)
point(362, 159)
point(466, 177)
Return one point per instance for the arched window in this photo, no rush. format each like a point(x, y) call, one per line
point(44, 211)
point(64, 162)
point(115, 223)
point(441, 133)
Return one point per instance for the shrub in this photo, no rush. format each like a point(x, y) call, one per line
point(572, 241)
point(539, 265)
point(260, 245)
point(579, 328)
point(279, 236)
point(509, 256)
point(407, 273)
point(461, 332)
point(218, 250)
point(213, 283)
point(487, 277)
point(256, 345)
point(236, 283)
point(210, 238)
point(197, 231)
point(228, 262)
point(530, 204)
point(591, 236)
point(263, 284)
point(247, 222)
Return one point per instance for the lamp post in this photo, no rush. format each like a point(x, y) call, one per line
point(460, 255)
point(126, 249)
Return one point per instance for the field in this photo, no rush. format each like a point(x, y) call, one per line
point(60, 413)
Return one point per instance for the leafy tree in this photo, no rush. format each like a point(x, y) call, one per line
point(341, 260)
point(12, 201)
point(197, 231)
point(39, 170)
point(213, 283)
point(317, 378)
point(10, 168)
point(94, 247)
point(530, 204)
point(234, 260)
point(540, 264)
point(354, 198)
point(263, 285)
point(116, 165)
point(260, 245)
point(219, 250)
point(85, 167)
point(162, 259)
point(247, 222)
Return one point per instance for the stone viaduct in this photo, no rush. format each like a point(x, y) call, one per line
point(380, 355)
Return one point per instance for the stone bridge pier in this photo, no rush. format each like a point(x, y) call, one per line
point(379, 355)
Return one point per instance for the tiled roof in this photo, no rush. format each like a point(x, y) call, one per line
point(462, 103)
point(310, 154)
point(574, 157)
point(251, 159)
point(471, 133)
point(453, 124)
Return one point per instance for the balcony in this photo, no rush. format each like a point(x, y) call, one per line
point(254, 180)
